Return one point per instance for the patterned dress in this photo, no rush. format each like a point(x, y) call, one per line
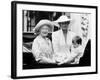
point(42, 47)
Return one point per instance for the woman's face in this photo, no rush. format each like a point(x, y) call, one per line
point(44, 30)
point(64, 25)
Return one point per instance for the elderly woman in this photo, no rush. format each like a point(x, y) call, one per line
point(42, 47)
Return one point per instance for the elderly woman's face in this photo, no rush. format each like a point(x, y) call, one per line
point(64, 25)
point(44, 30)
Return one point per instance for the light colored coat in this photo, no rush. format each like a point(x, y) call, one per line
point(60, 46)
point(42, 48)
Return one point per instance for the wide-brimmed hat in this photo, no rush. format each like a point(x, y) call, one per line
point(41, 23)
point(63, 18)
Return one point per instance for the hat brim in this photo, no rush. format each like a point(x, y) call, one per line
point(62, 20)
point(41, 24)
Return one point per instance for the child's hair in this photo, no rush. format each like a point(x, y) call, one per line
point(77, 39)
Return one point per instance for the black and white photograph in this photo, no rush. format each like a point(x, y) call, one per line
point(64, 41)
point(53, 39)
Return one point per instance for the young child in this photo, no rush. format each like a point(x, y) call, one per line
point(76, 49)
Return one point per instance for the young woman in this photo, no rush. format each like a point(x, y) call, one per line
point(42, 47)
point(62, 40)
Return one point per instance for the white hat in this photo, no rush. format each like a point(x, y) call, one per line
point(41, 23)
point(63, 18)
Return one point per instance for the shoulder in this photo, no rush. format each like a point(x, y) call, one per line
point(72, 33)
point(56, 33)
point(36, 40)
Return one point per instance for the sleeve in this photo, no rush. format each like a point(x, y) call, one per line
point(78, 54)
point(80, 51)
point(36, 50)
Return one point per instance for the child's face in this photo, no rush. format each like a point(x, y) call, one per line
point(75, 45)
